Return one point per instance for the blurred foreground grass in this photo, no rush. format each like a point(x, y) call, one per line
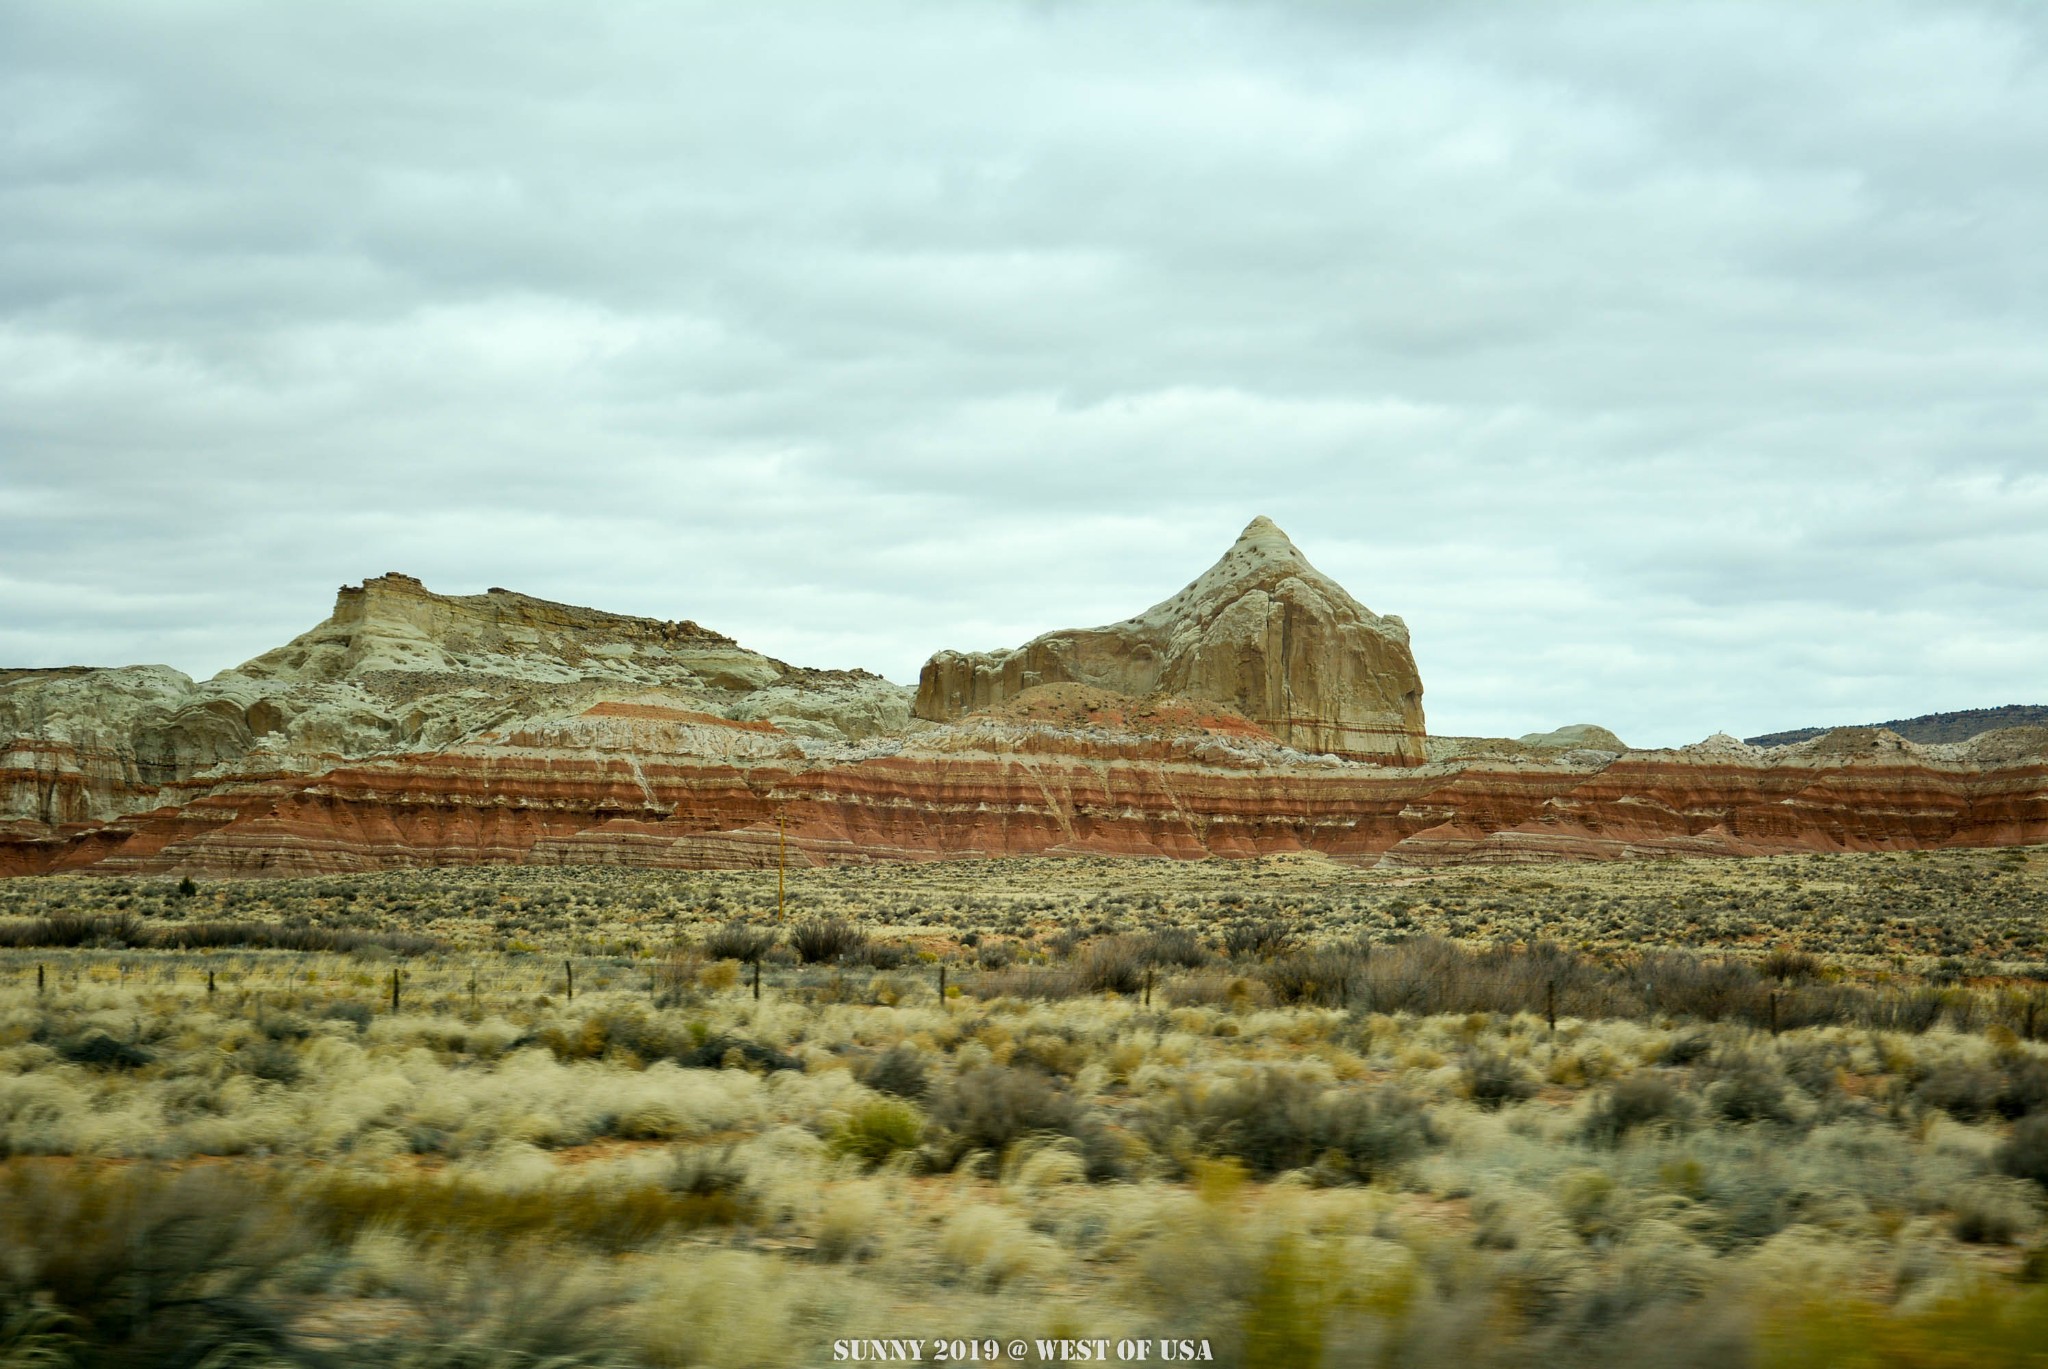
point(1772, 1113)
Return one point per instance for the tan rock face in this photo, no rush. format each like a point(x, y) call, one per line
point(413, 728)
point(394, 669)
point(1262, 631)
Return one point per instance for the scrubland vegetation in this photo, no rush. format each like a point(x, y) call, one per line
point(1791, 1112)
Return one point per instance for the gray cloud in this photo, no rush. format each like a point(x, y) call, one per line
point(1673, 367)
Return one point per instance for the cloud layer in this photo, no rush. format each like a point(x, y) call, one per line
point(1672, 367)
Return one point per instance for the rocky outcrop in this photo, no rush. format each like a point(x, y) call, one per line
point(1261, 632)
point(419, 729)
point(643, 785)
point(395, 669)
point(1575, 737)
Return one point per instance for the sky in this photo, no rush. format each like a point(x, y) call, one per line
point(1680, 368)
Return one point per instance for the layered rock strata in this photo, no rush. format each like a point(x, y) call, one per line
point(419, 729)
point(1261, 632)
point(688, 791)
point(395, 670)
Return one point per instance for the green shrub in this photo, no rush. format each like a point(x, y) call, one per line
point(876, 1131)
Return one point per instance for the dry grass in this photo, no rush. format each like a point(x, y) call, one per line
point(1312, 1114)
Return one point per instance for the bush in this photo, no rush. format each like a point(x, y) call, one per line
point(701, 1172)
point(824, 940)
point(1989, 1212)
point(1976, 1092)
point(1971, 1092)
point(1642, 1099)
point(991, 1107)
point(1112, 966)
point(358, 1014)
point(1749, 1090)
point(1492, 1079)
point(719, 1051)
point(877, 1131)
point(200, 936)
point(72, 929)
point(1785, 964)
point(1256, 938)
point(900, 1071)
point(1687, 1049)
point(1321, 976)
point(145, 1266)
point(269, 1059)
point(739, 941)
point(1371, 1130)
point(2025, 1153)
point(97, 1050)
point(1275, 1120)
point(886, 955)
point(703, 1187)
point(1176, 946)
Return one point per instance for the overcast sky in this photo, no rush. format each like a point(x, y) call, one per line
point(1674, 367)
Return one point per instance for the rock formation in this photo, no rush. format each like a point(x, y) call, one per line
point(412, 728)
point(643, 785)
point(395, 669)
point(1261, 631)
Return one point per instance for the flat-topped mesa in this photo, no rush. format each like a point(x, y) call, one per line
point(1262, 631)
point(394, 622)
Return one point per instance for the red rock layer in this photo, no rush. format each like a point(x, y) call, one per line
point(530, 799)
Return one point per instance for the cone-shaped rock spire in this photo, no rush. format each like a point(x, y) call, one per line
point(1261, 630)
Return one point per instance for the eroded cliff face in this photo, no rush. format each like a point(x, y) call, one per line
point(396, 669)
point(1262, 632)
point(419, 729)
point(646, 786)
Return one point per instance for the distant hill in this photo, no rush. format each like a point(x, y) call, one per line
point(1959, 726)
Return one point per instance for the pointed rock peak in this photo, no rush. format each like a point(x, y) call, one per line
point(1264, 536)
point(1260, 553)
point(1262, 631)
point(1261, 526)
